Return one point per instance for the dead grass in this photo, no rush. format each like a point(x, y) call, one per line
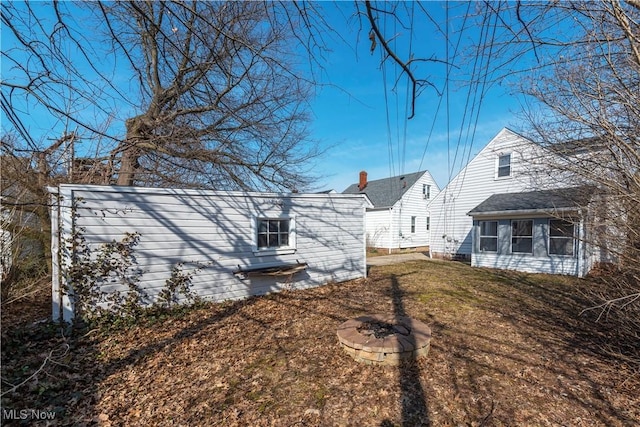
point(507, 349)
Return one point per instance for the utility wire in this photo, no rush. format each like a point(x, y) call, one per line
point(486, 60)
point(400, 152)
point(386, 105)
point(447, 77)
point(473, 87)
point(437, 111)
point(17, 123)
point(406, 105)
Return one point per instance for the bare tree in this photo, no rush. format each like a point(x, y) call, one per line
point(25, 222)
point(577, 63)
point(375, 15)
point(583, 75)
point(206, 94)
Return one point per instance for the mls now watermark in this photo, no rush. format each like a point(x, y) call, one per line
point(27, 414)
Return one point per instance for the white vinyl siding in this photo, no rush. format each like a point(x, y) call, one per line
point(379, 228)
point(411, 210)
point(390, 227)
point(540, 261)
point(220, 229)
point(450, 224)
point(6, 246)
point(527, 263)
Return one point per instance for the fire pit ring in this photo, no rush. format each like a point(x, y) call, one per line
point(384, 339)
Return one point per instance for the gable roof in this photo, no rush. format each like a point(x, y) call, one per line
point(556, 200)
point(386, 192)
point(458, 179)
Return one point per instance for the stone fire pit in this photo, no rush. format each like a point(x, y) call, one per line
point(384, 339)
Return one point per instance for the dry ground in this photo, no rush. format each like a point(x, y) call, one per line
point(507, 349)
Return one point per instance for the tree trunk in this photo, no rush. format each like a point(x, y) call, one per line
point(131, 153)
point(128, 166)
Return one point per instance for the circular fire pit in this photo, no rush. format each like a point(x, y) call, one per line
point(384, 339)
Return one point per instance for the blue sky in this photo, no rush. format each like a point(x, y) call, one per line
point(353, 119)
point(362, 121)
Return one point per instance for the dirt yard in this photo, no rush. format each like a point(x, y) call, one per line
point(507, 349)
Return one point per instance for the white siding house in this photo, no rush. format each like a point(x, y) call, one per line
point(238, 236)
point(505, 165)
point(510, 209)
point(399, 217)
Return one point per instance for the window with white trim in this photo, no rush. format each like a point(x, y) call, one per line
point(428, 223)
point(561, 237)
point(413, 224)
point(274, 233)
point(504, 165)
point(522, 236)
point(488, 236)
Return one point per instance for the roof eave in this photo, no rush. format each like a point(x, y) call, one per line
point(380, 208)
point(525, 212)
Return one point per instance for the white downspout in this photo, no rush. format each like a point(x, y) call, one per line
point(429, 235)
point(66, 225)
point(400, 236)
point(56, 294)
point(364, 238)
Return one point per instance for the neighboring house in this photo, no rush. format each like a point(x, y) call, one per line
point(399, 217)
point(248, 243)
point(21, 245)
point(6, 258)
point(505, 165)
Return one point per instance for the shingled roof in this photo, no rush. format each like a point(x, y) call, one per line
point(386, 192)
point(560, 199)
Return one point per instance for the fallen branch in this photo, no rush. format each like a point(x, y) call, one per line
point(44, 363)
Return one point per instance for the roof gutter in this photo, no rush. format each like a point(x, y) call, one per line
point(524, 212)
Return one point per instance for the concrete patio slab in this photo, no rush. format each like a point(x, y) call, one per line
point(396, 259)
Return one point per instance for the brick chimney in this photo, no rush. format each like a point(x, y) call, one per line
point(363, 180)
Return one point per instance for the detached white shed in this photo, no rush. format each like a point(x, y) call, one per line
point(248, 243)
